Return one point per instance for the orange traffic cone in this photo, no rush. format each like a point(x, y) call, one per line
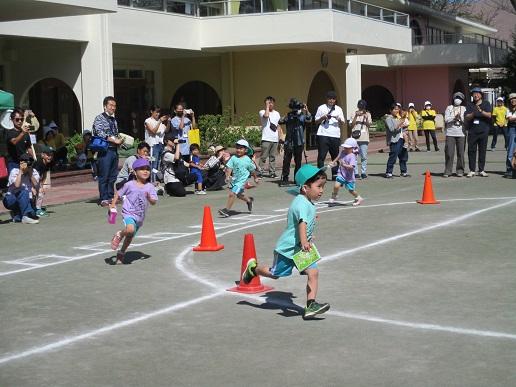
point(208, 237)
point(428, 191)
point(255, 286)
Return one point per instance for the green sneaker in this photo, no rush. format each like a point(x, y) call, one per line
point(315, 308)
point(41, 212)
point(249, 273)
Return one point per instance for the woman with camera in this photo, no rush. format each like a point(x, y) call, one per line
point(175, 174)
point(360, 123)
point(455, 138)
point(155, 128)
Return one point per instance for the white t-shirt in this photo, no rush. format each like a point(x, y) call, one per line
point(267, 133)
point(329, 128)
point(153, 139)
point(509, 115)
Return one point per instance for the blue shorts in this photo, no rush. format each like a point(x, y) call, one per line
point(128, 220)
point(350, 185)
point(282, 266)
point(198, 174)
point(237, 189)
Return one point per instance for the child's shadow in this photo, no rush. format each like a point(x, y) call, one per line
point(129, 258)
point(281, 301)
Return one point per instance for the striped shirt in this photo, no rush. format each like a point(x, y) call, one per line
point(105, 126)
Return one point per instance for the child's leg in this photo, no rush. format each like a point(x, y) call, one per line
point(127, 234)
point(354, 193)
point(264, 271)
point(244, 198)
point(312, 284)
point(231, 200)
point(336, 188)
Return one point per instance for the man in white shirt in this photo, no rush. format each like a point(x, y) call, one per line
point(271, 132)
point(329, 117)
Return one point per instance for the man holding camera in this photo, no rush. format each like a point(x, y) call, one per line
point(181, 125)
point(294, 144)
point(329, 117)
point(478, 115)
point(22, 184)
point(18, 139)
point(271, 133)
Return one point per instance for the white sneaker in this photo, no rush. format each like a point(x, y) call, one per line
point(483, 174)
point(28, 220)
point(470, 174)
point(358, 201)
point(203, 192)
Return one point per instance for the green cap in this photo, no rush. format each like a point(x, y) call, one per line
point(306, 172)
point(46, 149)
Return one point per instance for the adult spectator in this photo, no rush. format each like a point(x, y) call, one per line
point(428, 115)
point(17, 139)
point(22, 184)
point(85, 157)
point(155, 128)
point(413, 118)
point(499, 122)
point(454, 131)
point(126, 173)
point(172, 162)
point(55, 140)
point(478, 116)
point(294, 144)
point(180, 125)
point(360, 123)
point(271, 133)
point(106, 127)
point(42, 166)
point(329, 117)
point(511, 132)
point(396, 148)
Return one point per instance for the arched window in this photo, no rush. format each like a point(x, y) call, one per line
point(379, 100)
point(199, 96)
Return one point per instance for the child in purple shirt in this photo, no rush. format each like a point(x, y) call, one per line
point(347, 159)
point(136, 194)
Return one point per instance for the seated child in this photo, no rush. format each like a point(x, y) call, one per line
point(346, 160)
point(195, 168)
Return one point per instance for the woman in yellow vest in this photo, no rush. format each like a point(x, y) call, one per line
point(428, 117)
point(413, 118)
point(499, 122)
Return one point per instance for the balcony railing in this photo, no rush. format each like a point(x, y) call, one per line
point(445, 38)
point(239, 7)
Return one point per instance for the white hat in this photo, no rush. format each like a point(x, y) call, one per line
point(350, 143)
point(500, 99)
point(242, 142)
point(427, 103)
point(398, 104)
point(411, 104)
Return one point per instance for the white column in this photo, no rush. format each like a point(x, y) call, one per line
point(96, 79)
point(353, 83)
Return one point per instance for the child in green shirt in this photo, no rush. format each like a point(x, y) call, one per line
point(296, 237)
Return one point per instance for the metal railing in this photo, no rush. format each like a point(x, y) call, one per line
point(456, 38)
point(239, 7)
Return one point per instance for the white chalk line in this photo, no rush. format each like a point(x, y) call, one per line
point(220, 290)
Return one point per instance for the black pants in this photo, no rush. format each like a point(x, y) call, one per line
point(291, 150)
point(477, 140)
point(175, 189)
point(496, 130)
point(429, 133)
point(327, 144)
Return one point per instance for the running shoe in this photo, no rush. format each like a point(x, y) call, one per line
point(224, 212)
point(250, 204)
point(41, 212)
point(249, 272)
point(388, 175)
point(315, 308)
point(115, 241)
point(483, 174)
point(470, 174)
point(358, 201)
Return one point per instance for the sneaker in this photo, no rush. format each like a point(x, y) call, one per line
point(405, 174)
point(483, 174)
point(104, 203)
point(418, 150)
point(249, 272)
point(315, 308)
point(357, 176)
point(363, 176)
point(115, 241)
point(120, 257)
point(492, 149)
point(33, 216)
point(446, 175)
point(273, 176)
point(41, 212)
point(29, 220)
point(250, 204)
point(358, 201)
point(437, 149)
point(203, 192)
point(411, 150)
point(388, 175)
point(470, 174)
point(460, 175)
point(224, 212)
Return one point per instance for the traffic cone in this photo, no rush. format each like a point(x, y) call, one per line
point(428, 191)
point(208, 237)
point(255, 286)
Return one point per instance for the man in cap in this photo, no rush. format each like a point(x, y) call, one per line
point(329, 117)
point(478, 115)
point(499, 122)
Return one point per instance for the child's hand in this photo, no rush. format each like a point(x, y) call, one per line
point(306, 246)
point(257, 179)
point(112, 205)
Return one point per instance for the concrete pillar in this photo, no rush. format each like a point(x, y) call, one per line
point(96, 79)
point(353, 84)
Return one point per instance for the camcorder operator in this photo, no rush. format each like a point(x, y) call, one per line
point(294, 143)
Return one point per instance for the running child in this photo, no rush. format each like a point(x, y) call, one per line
point(347, 159)
point(296, 237)
point(195, 168)
point(238, 169)
point(136, 194)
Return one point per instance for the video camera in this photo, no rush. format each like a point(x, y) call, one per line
point(294, 104)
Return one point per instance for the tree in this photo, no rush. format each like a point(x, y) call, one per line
point(510, 66)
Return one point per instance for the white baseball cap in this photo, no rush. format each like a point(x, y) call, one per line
point(500, 99)
point(242, 142)
point(350, 143)
point(411, 104)
point(427, 103)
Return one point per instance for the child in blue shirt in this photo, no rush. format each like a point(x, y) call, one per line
point(297, 236)
point(195, 168)
point(347, 161)
point(238, 169)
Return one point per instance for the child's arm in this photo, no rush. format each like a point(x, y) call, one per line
point(150, 199)
point(115, 199)
point(336, 160)
point(229, 171)
point(305, 244)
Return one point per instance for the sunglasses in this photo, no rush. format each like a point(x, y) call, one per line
point(18, 119)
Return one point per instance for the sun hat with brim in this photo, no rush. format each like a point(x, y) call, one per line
point(512, 96)
point(242, 142)
point(458, 94)
point(141, 163)
point(305, 173)
point(350, 143)
point(219, 148)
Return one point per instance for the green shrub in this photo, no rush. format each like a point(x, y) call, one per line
point(378, 125)
point(71, 143)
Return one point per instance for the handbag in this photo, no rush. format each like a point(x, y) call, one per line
point(98, 144)
point(194, 136)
